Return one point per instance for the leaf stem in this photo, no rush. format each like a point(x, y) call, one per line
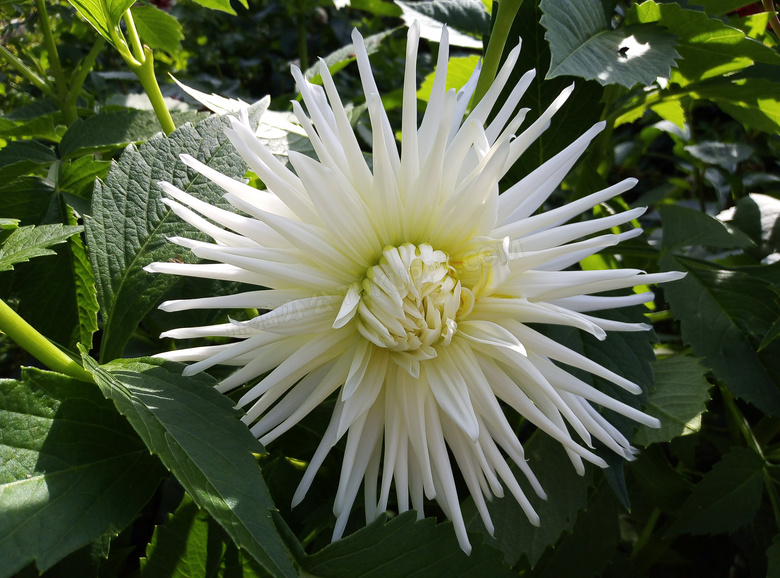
point(145, 73)
point(647, 533)
point(741, 422)
point(132, 34)
point(84, 68)
point(774, 22)
point(60, 82)
point(28, 338)
point(507, 10)
point(26, 72)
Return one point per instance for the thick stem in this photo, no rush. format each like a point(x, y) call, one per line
point(26, 72)
point(38, 346)
point(774, 22)
point(60, 82)
point(145, 73)
point(507, 10)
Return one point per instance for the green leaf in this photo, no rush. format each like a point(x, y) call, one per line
point(721, 7)
point(46, 127)
point(773, 554)
point(73, 469)
point(724, 314)
point(18, 158)
point(726, 498)
point(567, 494)
point(771, 335)
point(129, 225)
point(459, 69)
point(708, 47)
point(197, 434)
point(78, 177)
point(576, 116)
point(158, 29)
point(660, 484)
point(9, 224)
point(678, 399)
point(192, 545)
point(102, 14)
point(221, 5)
point(721, 154)
point(583, 43)
point(404, 547)
point(752, 101)
point(685, 227)
point(86, 295)
point(588, 550)
point(346, 54)
point(467, 16)
point(108, 130)
point(31, 241)
point(27, 199)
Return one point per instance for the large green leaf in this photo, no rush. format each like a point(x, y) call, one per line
point(752, 101)
point(31, 241)
point(724, 314)
point(192, 545)
point(158, 29)
point(129, 225)
point(583, 43)
point(726, 498)
point(109, 130)
point(677, 400)
point(464, 15)
point(685, 227)
point(27, 199)
point(73, 469)
point(708, 46)
point(197, 434)
point(404, 547)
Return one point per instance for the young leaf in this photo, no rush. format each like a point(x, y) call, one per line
point(78, 177)
point(724, 314)
point(129, 225)
point(221, 5)
point(73, 469)
point(192, 545)
point(678, 399)
point(726, 498)
point(102, 14)
point(404, 547)
point(30, 241)
point(197, 434)
point(27, 199)
point(583, 43)
point(86, 296)
point(158, 29)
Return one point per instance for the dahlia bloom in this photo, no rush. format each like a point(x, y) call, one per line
point(408, 290)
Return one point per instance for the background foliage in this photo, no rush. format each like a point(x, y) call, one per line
point(115, 479)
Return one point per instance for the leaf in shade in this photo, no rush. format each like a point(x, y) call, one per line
point(27, 199)
point(73, 469)
point(677, 400)
point(726, 498)
point(567, 494)
point(28, 242)
point(129, 225)
point(192, 545)
point(198, 436)
point(724, 314)
point(583, 43)
point(18, 158)
point(773, 554)
point(404, 547)
point(685, 227)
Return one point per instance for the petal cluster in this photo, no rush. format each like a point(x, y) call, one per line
point(408, 289)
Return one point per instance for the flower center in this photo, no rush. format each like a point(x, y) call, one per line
point(410, 300)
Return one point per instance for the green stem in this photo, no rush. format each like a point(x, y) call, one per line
point(774, 22)
point(132, 34)
point(60, 82)
point(647, 533)
point(507, 10)
point(38, 346)
point(26, 72)
point(145, 73)
point(84, 68)
point(741, 422)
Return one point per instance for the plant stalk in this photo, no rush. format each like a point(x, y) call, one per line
point(507, 10)
point(26, 336)
point(774, 22)
point(60, 82)
point(26, 72)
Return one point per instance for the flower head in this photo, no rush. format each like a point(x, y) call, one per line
point(407, 290)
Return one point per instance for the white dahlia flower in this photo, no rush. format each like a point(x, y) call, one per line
point(408, 290)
